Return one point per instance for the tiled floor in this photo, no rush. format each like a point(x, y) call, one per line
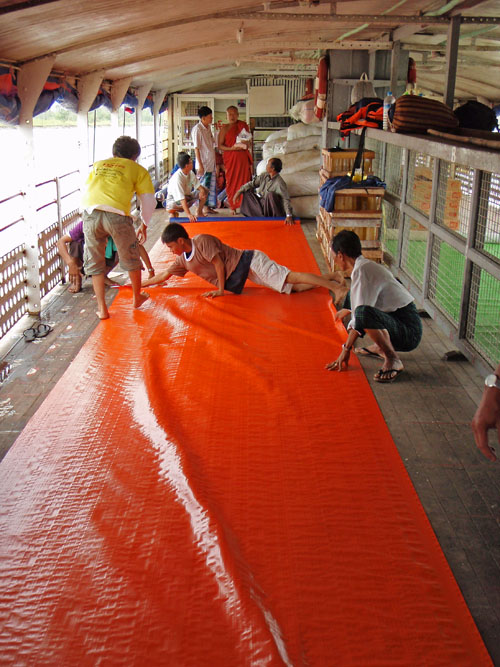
point(428, 411)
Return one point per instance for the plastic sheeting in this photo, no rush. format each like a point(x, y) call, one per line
point(299, 130)
point(306, 206)
point(198, 490)
point(302, 183)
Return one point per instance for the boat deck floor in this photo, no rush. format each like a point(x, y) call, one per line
point(428, 411)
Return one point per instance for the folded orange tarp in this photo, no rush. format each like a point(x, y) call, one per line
point(198, 490)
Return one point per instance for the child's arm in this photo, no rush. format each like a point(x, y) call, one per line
point(221, 277)
point(145, 258)
point(161, 277)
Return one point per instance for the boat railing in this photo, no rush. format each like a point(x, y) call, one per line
point(56, 209)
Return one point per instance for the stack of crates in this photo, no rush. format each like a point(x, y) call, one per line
point(358, 209)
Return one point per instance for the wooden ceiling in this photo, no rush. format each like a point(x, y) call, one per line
point(191, 45)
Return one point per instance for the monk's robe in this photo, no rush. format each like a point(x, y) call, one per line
point(238, 164)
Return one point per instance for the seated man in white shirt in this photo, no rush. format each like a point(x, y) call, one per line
point(184, 189)
point(380, 307)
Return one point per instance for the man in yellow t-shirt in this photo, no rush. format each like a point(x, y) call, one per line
point(106, 212)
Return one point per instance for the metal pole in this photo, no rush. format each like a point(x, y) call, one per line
point(451, 60)
point(405, 155)
point(471, 236)
point(430, 238)
point(60, 231)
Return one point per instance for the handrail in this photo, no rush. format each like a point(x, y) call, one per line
point(18, 194)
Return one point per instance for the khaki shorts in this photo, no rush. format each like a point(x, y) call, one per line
point(264, 271)
point(97, 226)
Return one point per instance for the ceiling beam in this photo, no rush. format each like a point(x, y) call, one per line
point(387, 19)
point(281, 60)
point(466, 4)
point(19, 6)
point(254, 45)
point(441, 47)
point(405, 31)
point(173, 23)
point(346, 45)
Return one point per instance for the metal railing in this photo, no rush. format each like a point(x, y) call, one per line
point(57, 202)
point(441, 234)
point(54, 216)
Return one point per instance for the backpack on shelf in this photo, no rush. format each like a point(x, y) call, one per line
point(362, 88)
point(476, 116)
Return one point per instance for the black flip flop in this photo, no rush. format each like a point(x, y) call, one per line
point(42, 330)
point(39, 330)
point(365, 352)
point(387, 376)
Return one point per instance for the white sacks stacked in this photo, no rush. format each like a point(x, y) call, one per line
point(299, 149)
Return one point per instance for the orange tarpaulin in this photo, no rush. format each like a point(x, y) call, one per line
point(198, 490)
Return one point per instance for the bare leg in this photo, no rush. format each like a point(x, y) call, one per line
point(139, 297)
point(109, 281)
point(201, 203)
point(383, 346)
point(76, 280)
point(303, 281)
point(76, 284)
point(98, 285)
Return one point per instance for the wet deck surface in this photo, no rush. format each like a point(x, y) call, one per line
point(428, 411)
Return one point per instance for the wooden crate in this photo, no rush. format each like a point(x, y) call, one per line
point(339, 163)
point(359, 199)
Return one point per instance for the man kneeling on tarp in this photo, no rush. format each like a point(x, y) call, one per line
point(380, 306)
point(228, 268)
point(267, 195)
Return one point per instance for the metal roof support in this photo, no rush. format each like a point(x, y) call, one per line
point(395, 54)
point(159, 97)
point(30, 81)
point(88, 88)
point(142, 93)
point(451, 60)
point(118, 91)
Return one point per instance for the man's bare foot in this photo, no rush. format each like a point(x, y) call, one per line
point(340, 293)
point(143, 296)
point(110, 282)
point(76, 285)
point(102, 315)
point(390, 370)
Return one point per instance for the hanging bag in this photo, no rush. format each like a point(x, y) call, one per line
point(362, 88)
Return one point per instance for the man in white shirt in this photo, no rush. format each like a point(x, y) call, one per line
point(204, 149)
point(380, 306)
point(184, 189)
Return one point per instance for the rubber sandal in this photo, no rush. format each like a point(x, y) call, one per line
point(39, 330)
point(29, 334)
point(388, 376)
point(42, 330)
point(365, 352)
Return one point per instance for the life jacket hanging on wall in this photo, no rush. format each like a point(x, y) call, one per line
point(320, 88)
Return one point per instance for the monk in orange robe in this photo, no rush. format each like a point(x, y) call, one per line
point(237, 157)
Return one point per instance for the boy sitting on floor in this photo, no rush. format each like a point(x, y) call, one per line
point(228, 268)
point(184, 189)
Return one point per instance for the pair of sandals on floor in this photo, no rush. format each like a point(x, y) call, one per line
point(380, 376)
point(38, 330)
